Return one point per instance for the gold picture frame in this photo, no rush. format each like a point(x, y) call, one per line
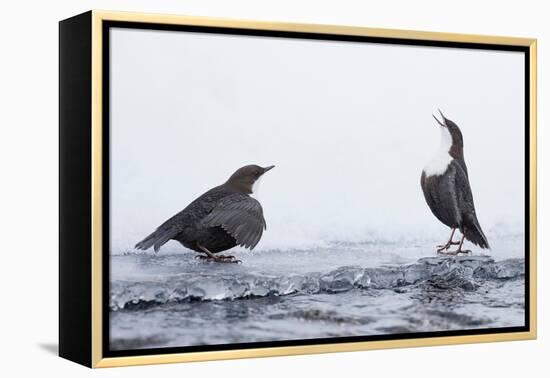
point(89, 328)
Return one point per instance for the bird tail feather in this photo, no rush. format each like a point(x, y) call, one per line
point(156, 240)
point(475, 234)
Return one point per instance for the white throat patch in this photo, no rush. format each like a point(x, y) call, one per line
point(256, 188)
point(439, 163)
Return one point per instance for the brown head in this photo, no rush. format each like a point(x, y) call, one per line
point(452, 131)
point(244, 178)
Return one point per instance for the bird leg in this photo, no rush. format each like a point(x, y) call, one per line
point(221, 258)
point(458, 251)
point(446, 246)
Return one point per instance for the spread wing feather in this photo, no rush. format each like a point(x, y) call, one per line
point(241, 216)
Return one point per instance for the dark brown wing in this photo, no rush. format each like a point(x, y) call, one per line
point(441, 196)
point(241, 216)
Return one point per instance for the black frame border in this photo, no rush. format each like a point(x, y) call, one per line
point(107, 25)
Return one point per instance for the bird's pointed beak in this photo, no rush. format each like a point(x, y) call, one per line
point(442, 124)
point(268, 168)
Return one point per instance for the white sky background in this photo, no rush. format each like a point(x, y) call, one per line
point(348, 126)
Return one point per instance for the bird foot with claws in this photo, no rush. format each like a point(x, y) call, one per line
point(219, 259)
point(445, 247)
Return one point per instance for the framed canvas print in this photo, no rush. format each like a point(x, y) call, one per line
point(397, 204)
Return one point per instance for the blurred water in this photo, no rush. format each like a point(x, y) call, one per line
point(173, 299)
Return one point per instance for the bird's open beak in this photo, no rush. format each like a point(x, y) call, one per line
point(268, 168)
point(442, 124)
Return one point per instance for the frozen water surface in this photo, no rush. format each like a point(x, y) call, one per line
point(172, 299)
